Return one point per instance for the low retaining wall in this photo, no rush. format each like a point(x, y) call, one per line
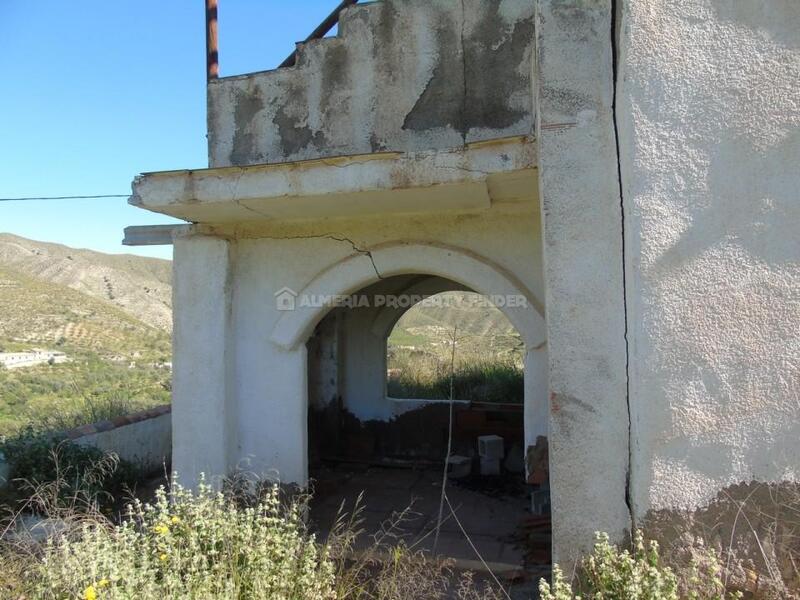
point(143, 438)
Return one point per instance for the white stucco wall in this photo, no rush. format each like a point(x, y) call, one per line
point(708, 108)
point(229, 343)
point(203, 411)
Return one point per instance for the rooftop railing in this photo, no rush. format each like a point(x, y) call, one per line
point(212, 39)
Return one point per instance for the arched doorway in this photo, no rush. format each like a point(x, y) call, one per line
point(417, 269)
point(353, 421)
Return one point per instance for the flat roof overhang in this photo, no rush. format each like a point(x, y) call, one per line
point(469, 178)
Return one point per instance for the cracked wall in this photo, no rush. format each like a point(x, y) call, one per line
point(582, 223)
point(708, 106)
point(235, 366)
point(402, 75)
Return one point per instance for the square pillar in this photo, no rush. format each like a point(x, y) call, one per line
point(272, 384)
point(536, 408)
point(203, 418)
point(583, 256)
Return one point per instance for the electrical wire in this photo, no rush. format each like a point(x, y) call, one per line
point(65, 197)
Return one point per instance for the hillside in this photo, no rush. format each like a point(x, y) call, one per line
point(139, 286)
point(37, 312)
point(109, 315)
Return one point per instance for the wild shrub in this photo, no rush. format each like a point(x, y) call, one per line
point(424, 376)
point(187, 545)
point(245, 542)
point(637, 574)
point(63, 473)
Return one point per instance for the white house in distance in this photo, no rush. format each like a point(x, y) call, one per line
point(624, 184)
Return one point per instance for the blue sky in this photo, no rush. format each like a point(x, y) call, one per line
point(97, 91)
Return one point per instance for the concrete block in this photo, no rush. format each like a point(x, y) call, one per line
point(459, 467)
point(490, 466)
point(491, 446)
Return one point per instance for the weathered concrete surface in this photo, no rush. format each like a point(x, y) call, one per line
point(146, 443)
point(203, 411)
point(469, 178)
point(709, 121)
point(582, 224)
point(755, 529)
point(402, 75)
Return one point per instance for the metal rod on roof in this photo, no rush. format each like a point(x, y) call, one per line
point(321, 30)
point(212, 50)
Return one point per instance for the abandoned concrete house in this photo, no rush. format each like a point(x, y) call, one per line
point(621, 178)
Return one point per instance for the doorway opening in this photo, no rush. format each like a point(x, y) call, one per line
point(410, 366)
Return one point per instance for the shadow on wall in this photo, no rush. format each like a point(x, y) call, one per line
point(751, 202)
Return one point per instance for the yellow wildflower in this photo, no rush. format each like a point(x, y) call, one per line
point(161, 529)
point(90, 593)
point(175, 520)
point(162, 557)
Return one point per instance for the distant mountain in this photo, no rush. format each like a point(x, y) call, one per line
point(470, 313)
point(38, 313)
point(138, 286)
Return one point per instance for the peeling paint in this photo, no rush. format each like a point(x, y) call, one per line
point(402, 76)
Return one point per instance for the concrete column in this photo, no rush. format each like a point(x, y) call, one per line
point(583, 255)
point(273, 414)
point(202, 414)
point(536, 409)
point(364, 364)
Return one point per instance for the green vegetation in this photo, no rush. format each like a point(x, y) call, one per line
point(115, 361)
point(487, 366)
point(87, 389)
point(640, 574)
point(69, 473)
point(423, 375)
point(223, 545)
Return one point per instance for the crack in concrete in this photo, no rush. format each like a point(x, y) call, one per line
point(335, 237)
point(615, 7)
point(235, 193)
point(464, 77)
point(465, 169)
point(330, 236)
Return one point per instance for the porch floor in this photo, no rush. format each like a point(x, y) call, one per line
point(493, 514)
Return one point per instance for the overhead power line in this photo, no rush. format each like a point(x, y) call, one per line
point(65, 197)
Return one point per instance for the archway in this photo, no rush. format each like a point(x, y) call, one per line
point(343, 318)
point(464, 270)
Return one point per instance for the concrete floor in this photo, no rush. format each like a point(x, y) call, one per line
point(490, 518)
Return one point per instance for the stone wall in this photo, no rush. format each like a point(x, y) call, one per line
point(402, 75)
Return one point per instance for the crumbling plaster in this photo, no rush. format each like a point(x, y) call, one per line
point(459, 73)
point(708, 107)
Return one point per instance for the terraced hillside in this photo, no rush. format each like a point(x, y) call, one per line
point(109, 314)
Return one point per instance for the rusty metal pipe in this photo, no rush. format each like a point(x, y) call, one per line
point(212, 50)
point(321, 30)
